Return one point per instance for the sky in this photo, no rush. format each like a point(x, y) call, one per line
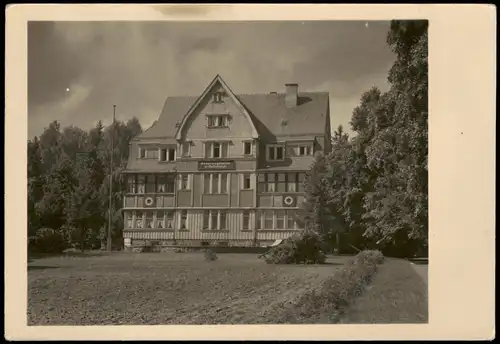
point(78, 70)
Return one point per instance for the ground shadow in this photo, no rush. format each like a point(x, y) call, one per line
point(41, 267)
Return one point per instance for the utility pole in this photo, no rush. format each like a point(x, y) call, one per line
point(111, 179)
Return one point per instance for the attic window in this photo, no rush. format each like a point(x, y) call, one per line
point(217, 97)
point(218, 121)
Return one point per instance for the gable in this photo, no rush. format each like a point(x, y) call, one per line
point(217, 85)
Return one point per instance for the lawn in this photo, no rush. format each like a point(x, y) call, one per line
point(397, 294)
point(165, 288)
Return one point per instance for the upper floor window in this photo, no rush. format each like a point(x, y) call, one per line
point(218, 121)
point(215, 183)
point(275, 152)
point(304, 150)
point(281, 182)
point(216, 149)
point(218, 97)
point(151, 183)
point(247, 148)
point(167, 154)
point(148, 153)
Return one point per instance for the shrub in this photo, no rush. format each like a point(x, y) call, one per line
point(210, 255)
point(369, 256)
point(301, 248)
point(332, 296)
point(48, 240)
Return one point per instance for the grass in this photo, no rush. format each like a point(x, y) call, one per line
point(398, 294)
point(166, 288)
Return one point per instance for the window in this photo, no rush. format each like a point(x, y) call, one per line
point(268, 219)
point(216, 149)
point(160, 219)
point(183, 219)
point(170, 186)
point(139, 220)
point(292, 182)
point(214, 220)
point(141, 184)
point(271, 186)
point(148, 153)
point(206, 219)
point(215, 183)
point(160, 184)
point(150, 184)
point(258, 220)
point(222, 220)
point(281, 182)
point(170, 219)
point(130, 220)
point(246, 220)
point(184, 182)
point(218, 121)
point(275, 152)
point(223, 183)
point(217, 97)
point(280, 219)
point(290, 219)
point(246, 181)
point(186, 147)
point(149, 220)
point(247, 148)
point(305, 150)
point(131, 184)
point(167, 154)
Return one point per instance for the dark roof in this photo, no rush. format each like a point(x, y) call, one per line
point(270, 115)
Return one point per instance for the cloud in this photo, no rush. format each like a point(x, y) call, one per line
point(136, 65)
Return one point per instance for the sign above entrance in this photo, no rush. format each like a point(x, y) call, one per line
point(216, 165)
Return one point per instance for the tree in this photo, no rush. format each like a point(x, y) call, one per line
point(35, 184)
point(316, 213)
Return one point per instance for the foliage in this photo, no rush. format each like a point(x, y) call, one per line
point(373, 187)
point(68, 180)
point(300, 248)
point(331, 297)
point(210, 255)
point(48, 240)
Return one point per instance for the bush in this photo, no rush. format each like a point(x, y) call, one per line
point(369, 256)
point(48, 240)
point(334, 294)
point(301, 248)
point(210, 255)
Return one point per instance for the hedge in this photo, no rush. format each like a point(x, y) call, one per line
point(325, 303)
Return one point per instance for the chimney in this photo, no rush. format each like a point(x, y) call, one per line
point(292, 94)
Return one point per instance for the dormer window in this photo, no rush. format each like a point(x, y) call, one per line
point(218, 121)
point(275, 152)
point(167, 154)
point(217, 97)
point(305, 150)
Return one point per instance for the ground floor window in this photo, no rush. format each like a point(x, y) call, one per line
point(183, 222)
point(246, 219)
point(276, 219)
point(214, 219)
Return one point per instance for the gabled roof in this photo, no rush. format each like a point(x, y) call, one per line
point(268, 114)
point(215, 81)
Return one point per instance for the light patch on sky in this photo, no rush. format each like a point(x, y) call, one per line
point(136, 65)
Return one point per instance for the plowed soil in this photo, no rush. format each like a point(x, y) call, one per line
point(166, 288)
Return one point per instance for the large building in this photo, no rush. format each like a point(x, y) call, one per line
point(224, 169)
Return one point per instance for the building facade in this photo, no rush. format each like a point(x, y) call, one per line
point(224, 169)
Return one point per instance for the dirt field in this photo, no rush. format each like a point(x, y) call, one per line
point(164, 288)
